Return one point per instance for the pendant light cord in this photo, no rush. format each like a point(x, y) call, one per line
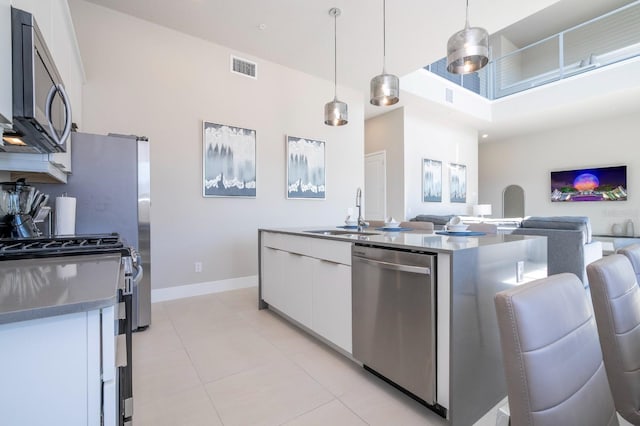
point(466, 25)
point(335, 56)
point(384, 36)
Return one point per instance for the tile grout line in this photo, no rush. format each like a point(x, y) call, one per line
point(289, 358)
point(354, 413)
point(202, 384)
point(335, 397)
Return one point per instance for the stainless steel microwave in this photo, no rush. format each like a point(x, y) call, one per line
point(41, 106)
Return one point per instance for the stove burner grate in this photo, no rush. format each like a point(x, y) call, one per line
point(25, 248)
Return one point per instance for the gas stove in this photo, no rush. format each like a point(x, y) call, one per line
point(72, 245)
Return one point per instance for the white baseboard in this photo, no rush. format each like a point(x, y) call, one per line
point(198, 289)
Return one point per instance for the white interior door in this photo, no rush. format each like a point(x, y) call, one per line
point(375, 185)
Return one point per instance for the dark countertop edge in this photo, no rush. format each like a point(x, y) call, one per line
point(56, 310)
point(106, 296)
point(303, 232)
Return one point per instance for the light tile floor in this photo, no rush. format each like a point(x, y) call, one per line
point(218, 360)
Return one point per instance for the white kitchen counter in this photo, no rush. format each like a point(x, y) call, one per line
point(415, 239)
point(38, 288)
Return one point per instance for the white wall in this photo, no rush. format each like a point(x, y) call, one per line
point(148, 80)
point(528, 160)
point(408, 135)
point(386, 133)
point(425, 137)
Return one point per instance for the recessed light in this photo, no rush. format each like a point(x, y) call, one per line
point(262, 27)
point(485, 135)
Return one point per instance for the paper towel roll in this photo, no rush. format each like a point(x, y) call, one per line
point(65, 215)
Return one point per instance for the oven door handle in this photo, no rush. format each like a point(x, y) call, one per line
point(397, 267)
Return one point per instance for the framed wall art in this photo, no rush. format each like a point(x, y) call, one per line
point(305, 168)
point(594, 184)
point(458, 183)
point(431, 180)
point(229, 161)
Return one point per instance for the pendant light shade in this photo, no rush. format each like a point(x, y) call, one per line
point(468, 49)
point(385, 88)
point(335, 112)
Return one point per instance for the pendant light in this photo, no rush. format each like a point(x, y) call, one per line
point(468, 49)
point(385, 88)
point(335, 112)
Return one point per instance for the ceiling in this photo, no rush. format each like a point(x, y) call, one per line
point(299, 33)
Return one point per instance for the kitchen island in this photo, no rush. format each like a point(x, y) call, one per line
point(58, 339)
point(305, 276)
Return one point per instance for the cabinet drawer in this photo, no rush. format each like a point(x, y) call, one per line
point(333, 251)
point(290, 243)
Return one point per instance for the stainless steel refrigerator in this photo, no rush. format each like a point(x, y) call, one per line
point(110, 180)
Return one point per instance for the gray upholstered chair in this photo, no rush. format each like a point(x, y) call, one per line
point(633, 254)
point(616, 302)
point(551, 355)
point(421, 226)
point(438, 220)
point(487, 228)
point(570, 247)
point(375, 223)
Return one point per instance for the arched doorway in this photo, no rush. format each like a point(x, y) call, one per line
point(513, 201)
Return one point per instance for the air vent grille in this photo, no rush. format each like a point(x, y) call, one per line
point(244, 67)
point(448, 95)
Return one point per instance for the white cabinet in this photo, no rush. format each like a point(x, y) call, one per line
point(286, 285)
point(332, 302)
point(6, 100)
point(297, 287)
point(51, 370)
point(309, 280)
point(36, 168)
point(272, 272)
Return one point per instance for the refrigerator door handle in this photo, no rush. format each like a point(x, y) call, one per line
point(128, 407)
point(121, 350)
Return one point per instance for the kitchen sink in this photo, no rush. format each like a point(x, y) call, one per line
point(343, 233)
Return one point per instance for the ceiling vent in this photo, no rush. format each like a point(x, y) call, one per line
point(448, 95)
point(244, 67)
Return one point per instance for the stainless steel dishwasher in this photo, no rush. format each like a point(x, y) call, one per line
point(393, 306)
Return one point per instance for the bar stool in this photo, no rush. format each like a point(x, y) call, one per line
point(633, 254)
point(616, 302)
point(551, 355)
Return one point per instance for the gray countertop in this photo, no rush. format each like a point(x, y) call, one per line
point(38, 288)
point(407, 239)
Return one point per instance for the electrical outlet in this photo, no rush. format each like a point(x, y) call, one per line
point(198, 266)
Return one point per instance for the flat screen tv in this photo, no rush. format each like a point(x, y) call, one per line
point(596, 184)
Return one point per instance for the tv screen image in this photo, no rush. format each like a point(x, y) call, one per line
point(595, 184)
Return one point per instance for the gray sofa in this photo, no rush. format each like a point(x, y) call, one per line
point(503, 224)
point(570, 247)
point(569, 244)
point(438, 220)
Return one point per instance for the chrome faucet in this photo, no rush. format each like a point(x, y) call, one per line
point(361, 222)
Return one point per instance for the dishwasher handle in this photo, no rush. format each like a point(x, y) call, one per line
point(396, 267)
